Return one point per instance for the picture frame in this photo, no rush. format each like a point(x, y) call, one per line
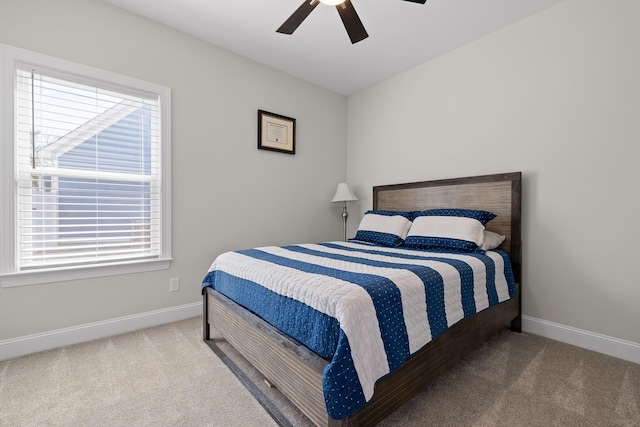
point(276, 132)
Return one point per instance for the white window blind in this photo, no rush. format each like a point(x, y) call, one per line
point(88, 159)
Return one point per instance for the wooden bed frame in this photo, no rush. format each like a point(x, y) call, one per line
point(297, 372)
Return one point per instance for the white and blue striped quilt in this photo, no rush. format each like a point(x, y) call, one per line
point(365, 308)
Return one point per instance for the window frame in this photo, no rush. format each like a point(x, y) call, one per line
point(9, 275)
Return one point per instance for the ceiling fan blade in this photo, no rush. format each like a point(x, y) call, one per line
point(297, 17)
point(352, 22)
point(417, 1)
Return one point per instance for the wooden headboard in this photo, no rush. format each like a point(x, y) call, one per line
point(499, 193)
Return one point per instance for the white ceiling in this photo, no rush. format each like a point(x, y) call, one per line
point(402, 34)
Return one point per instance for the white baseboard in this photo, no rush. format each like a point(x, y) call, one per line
point(615, 347)
point(20, 346)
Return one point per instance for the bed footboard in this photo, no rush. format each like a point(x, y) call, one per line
point(291, 367)
point(297, 372)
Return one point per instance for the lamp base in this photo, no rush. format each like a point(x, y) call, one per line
point(345, 215)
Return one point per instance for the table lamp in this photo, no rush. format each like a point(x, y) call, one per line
point(344, 195)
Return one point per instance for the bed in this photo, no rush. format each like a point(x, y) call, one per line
point(299, 372)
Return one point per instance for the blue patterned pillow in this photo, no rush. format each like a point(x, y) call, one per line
point(457, 229)
point(483, 216)
point(409, 214)
point(386, 228)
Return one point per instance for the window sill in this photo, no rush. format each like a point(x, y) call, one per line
point(25, 278)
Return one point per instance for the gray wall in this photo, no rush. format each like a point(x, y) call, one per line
point(556, 96)
point(226, 193)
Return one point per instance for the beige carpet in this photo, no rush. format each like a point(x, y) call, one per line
point(166, 376)
point(162, 376)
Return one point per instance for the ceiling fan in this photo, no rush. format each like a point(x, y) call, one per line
point(350, 18)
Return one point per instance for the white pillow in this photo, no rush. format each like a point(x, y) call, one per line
point(395, 224)
point(448, 227)
point(387, 230)
point(491, 240)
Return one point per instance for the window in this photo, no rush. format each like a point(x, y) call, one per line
point(85, 172)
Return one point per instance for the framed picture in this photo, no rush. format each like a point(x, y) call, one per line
point(276, 132)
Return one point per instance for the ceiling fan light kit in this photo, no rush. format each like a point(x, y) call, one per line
point(350, 18)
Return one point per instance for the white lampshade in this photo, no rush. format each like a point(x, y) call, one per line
point(343, 194)
point(332, 2)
